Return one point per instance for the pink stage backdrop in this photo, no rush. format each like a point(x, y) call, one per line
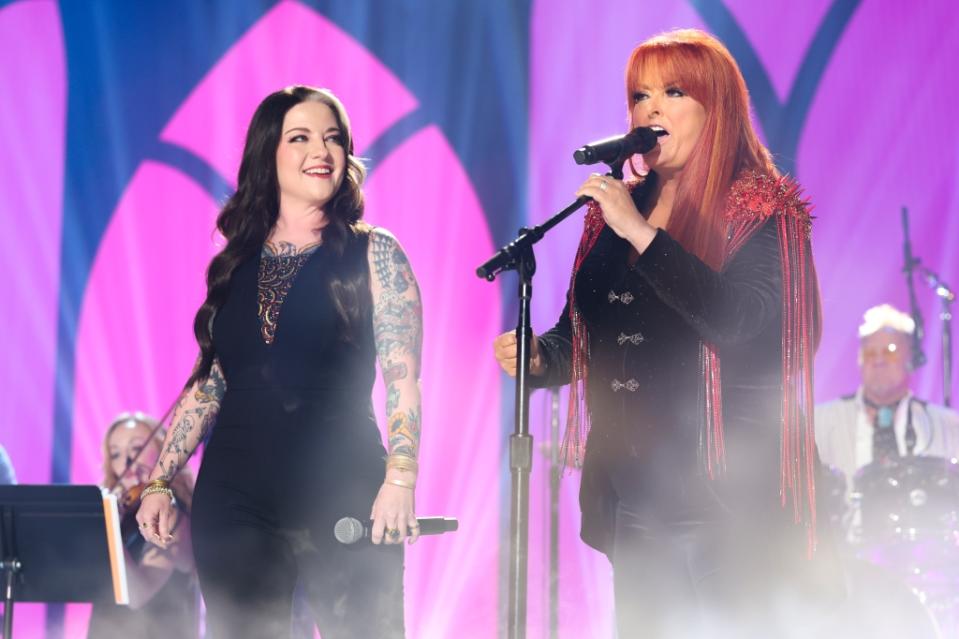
point(879, 134)
point(33, 79)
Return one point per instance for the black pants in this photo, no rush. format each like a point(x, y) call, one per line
point(264, 508)
point(716, 580)
point(249, 568)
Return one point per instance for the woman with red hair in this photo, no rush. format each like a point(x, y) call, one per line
point(688, 337)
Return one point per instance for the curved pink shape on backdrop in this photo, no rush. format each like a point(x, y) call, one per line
point(33, 83)
point(135, 346)
point(451, 581)
point(291, 44)
point(32, 130)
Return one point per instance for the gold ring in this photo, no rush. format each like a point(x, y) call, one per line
point(603, 185)
point(393, 533)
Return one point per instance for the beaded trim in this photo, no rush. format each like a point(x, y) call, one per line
point(753, 198)
point(274, 280)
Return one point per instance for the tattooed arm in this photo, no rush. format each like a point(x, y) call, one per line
point(398, 331)
point(193, 417)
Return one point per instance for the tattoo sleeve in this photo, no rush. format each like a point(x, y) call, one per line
point(398, 331)
point(193, 417)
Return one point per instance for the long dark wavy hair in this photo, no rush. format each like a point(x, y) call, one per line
point(248, 217)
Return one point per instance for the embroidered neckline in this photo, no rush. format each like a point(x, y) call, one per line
point(275, 277)
point(287, 249)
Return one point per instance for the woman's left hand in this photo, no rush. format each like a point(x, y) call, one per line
point(617, 204)
point(393, 514)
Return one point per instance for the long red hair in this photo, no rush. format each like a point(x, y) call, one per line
point(704, 69)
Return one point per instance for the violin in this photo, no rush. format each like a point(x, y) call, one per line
point(130, 498)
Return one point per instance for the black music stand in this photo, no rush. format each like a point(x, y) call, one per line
point(55, 547)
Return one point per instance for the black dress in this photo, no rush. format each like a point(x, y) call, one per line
point(679, 541)
point(295, 448)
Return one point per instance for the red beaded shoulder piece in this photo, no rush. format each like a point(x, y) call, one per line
point(755, 195)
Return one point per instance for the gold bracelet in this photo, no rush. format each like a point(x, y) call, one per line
point(157, 483)
point(400, 483)
point(154, 489)
point(402, 462)
point(401, 457)
point(412, 467)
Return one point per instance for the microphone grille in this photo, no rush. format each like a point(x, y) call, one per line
point(642, 139)
point(348, 530)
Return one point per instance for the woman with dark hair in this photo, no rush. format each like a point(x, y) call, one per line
point(164, 600)
point(688, 337)
point(301, 302)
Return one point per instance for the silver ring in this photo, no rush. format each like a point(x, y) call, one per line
point(602, 185)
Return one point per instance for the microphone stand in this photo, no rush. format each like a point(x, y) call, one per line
point(918, 357)
point(555, 475)
point(518, 256)
point(946, 297)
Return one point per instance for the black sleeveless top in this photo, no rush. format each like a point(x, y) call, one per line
point(295, 435)
point(307, 353)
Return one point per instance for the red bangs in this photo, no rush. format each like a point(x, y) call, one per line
point(679, 64)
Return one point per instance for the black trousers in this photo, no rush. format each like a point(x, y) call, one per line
point(717, 580)
point(249, 567)
point(270, 489)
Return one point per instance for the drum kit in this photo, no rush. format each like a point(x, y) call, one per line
point(900, 522)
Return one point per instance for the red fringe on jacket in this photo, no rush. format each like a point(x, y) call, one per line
point(752, 200)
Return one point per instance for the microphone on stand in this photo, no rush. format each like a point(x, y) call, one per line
point(618, 148)
point(350, 530)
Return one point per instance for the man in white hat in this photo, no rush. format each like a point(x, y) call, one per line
point(883, 420)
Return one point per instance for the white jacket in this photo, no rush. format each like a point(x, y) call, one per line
point(844, 434)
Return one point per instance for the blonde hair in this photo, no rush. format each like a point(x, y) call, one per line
point(182, 484)
point(886, 317)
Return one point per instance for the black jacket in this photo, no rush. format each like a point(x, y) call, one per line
point(645, 325)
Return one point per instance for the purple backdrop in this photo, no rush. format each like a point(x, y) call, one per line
point(880, 134)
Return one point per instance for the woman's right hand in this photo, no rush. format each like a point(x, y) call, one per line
point(156, 518)
point(504, 348)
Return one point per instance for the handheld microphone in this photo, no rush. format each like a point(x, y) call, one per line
point(350, 530)
point(619, 147)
